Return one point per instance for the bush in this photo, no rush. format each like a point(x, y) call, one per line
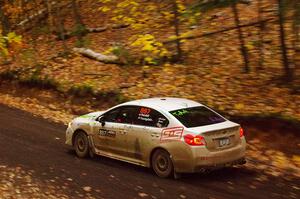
point(81, 90)
point(9, 75)
point(36, 81)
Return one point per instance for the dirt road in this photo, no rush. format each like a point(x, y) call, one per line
point(35, 163)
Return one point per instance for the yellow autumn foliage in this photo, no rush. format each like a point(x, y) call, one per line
point(150, 47)
point(10, 38)
point(146, 17)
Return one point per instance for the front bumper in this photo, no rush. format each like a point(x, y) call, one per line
point(69, 135)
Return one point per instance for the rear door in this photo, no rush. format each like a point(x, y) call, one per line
point(145, 132)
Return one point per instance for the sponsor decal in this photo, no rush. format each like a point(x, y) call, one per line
point(85, 116)
point(180, 112)
point(107, 133)
point(174, 133)
point(161, 122)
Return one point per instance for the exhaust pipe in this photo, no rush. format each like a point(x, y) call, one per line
point(242, 161)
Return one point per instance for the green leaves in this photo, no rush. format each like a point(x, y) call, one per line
point(3, 45)
point(11, 38)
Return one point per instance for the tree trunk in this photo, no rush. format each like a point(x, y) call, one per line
point(243, 48)
point(61, 28)
point(261, 36)
point(79, 25)
point(4, 20)
point(76, 12)
point(50, 15)
point(296, 43)
point(177, 31)
point(285, 60)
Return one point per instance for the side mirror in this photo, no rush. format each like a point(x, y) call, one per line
point(102, 120)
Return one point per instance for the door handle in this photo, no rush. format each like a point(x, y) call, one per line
point(156, 135)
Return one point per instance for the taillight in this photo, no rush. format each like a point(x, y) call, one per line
point(241, 132)
point(197, 140)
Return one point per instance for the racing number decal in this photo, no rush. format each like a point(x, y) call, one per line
point(145, 115)
point(174, 133)
point(145, 111)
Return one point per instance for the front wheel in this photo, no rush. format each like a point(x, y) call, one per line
point(162, 163)
point(81, 145)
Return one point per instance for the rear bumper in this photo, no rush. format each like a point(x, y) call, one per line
point(202, 168)
point(198, 159)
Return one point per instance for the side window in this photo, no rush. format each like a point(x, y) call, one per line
point(150, 117)
point(124, 114)
point(111, 116)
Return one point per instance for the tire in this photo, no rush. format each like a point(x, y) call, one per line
point(162, 163)
point(81, 145)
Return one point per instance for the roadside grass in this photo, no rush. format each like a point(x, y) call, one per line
point(80, 90)
point(87, 92)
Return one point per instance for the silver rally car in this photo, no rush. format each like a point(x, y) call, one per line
point(170, 135)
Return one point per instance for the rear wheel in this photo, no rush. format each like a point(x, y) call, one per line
point(162, 163)
point(81, 145)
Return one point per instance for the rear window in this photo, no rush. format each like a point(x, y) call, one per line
point(197, 116)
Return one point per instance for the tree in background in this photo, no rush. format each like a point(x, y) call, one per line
point(147, 19)
point(5, 24)
point(50, 12)
point(243, 48)
point(260, 34)
point(80, 29)
point(296, 30)
point(153, 23)
point(57, 20)
point(284, 53)
point(207, 5)
point(177, 29)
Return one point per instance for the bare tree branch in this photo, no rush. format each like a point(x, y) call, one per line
point(218, 31)
point(109, 59)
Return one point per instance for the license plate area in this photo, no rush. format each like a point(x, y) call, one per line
point(224, 142)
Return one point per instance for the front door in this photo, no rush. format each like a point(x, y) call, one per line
point(111, 136)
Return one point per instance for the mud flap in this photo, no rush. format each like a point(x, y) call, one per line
point(177, 175)
point(92, 151)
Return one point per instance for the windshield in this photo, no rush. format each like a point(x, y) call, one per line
point(197, 116)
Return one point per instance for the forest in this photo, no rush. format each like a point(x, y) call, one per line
point(60, 59)
point(129, 49)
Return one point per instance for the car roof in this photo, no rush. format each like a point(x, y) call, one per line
point(165, 103)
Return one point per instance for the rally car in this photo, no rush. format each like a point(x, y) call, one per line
point(170, 135)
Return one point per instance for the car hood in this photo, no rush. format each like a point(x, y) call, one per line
point(88, 117)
